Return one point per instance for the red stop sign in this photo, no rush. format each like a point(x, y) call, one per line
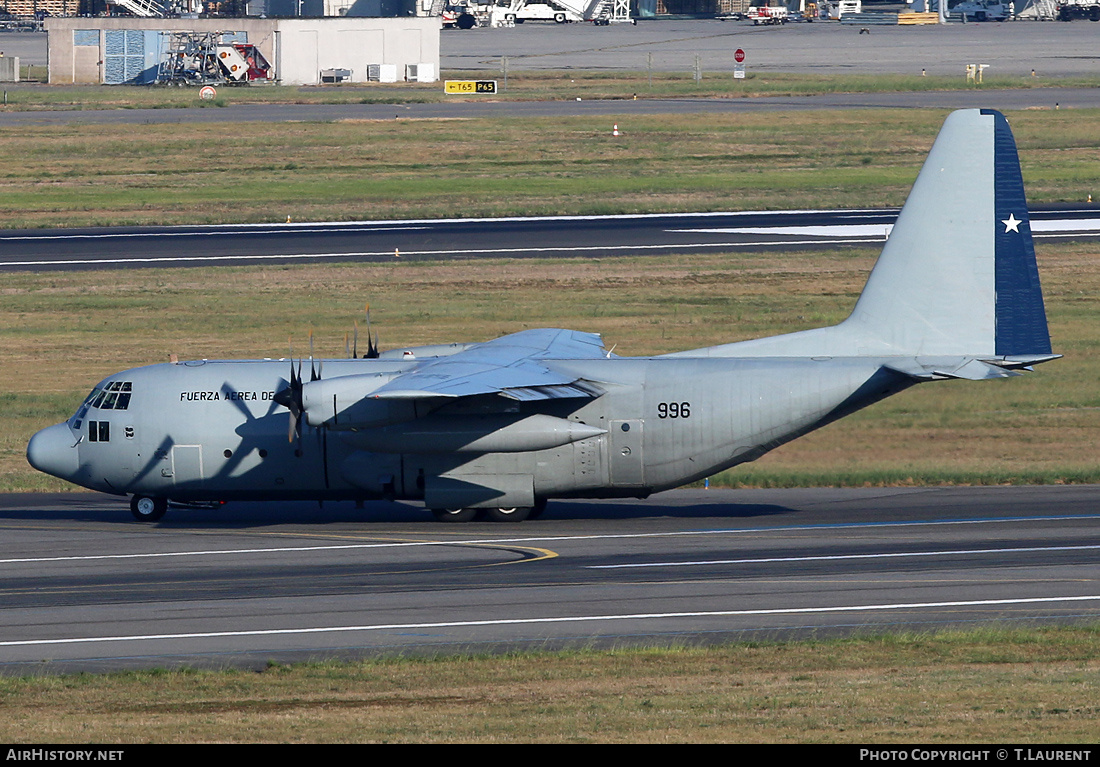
point(739, 55)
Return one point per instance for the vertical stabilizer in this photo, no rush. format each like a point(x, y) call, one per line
point(957, 275)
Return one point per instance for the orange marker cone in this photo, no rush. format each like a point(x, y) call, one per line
point(615, 130)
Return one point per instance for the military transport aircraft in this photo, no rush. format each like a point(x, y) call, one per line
point(497, 428)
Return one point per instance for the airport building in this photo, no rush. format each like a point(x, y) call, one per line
point(298, 51)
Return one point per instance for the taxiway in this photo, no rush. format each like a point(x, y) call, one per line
point(435, 239)
point(82, 587)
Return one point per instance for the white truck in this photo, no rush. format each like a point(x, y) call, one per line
point(837, 9)
point(1068, 10)
point(546, 12)
point(505, 13)
point(769, 15)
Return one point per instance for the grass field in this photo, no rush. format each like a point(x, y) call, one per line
point(516, 86)
point(75, 175)
point(987, 686)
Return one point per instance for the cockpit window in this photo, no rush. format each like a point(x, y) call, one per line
point(115, 395)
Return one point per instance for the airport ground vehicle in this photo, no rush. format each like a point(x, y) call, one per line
point(1068, 10)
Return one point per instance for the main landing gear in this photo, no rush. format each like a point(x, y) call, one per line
point(147, 509)
point(503, 514)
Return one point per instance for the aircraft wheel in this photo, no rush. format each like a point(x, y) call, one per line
point(146, 509)
point(512, 514)
point(454, 515)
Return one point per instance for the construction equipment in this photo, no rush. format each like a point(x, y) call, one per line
point(203, 58)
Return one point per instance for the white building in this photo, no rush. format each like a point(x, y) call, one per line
point(130, 50)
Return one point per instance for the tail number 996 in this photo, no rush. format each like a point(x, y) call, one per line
point(674, 410)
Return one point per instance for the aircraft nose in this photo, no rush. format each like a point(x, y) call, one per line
point(52, 451)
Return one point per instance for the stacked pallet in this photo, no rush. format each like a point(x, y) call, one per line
point(26, 9)
point(913, 19)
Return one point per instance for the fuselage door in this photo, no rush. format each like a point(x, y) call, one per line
point(187, 465)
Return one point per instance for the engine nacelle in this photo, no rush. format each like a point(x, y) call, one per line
point(344, 403)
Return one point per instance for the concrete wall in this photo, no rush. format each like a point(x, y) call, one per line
point(298, 49)
point(9, 69)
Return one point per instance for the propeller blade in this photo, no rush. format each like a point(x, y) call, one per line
point(313, 374)
point(372, 345)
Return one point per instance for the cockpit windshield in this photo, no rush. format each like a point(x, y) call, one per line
point(115, 395)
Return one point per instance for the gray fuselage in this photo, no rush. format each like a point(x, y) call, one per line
point(212, 431)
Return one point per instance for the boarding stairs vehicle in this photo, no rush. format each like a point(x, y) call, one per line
point(1038, 10)
point(154, 9)
point(146, 9)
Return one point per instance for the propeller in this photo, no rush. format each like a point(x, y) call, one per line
point(291, 396)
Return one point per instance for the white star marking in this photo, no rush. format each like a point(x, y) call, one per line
point(1012, 224)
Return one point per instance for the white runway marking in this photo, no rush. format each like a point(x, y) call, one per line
point(879, 231)
point(841, 557)
point(549, 539)
point(1062, 227)
point(285, 229)
point(534, 621)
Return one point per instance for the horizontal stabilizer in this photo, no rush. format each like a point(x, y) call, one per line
point(938, 368)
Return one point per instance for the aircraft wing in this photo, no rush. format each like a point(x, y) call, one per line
point(518, 367)
point(513, 366)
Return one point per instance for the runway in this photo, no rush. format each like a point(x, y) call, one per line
point(545, 237)
point(83, 587)
point(619, 109)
